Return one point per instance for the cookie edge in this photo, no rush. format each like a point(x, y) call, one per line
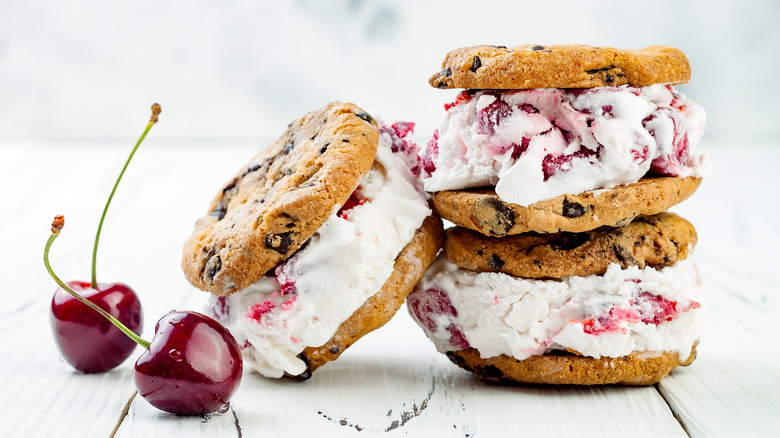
point(634, 369)
point(617, 206)
point(409, 267)
point(575, 66)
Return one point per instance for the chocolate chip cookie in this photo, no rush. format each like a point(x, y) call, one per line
point(280, 198)
point(483, 211)
point(560, 66)
point(636, 369)
point(658, 240)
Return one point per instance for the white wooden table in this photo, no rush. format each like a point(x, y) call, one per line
point(390, 383)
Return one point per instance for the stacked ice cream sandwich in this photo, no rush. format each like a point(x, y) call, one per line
point(316, 241)
point(557, 165)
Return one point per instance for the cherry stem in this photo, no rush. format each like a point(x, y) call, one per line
point(156, 109)
point(59, 222)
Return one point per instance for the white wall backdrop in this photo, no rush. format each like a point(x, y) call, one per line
point(244, 69)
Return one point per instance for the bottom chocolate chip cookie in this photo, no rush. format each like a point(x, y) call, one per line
point(409, 267)
point(635, 369)
point(483, 211)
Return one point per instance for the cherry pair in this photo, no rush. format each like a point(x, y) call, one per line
point(192, 365)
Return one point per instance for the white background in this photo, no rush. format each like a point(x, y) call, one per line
point(243, 69)
point(77, 78)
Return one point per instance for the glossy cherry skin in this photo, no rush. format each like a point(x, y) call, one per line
point(88, 341)
point(193, 365)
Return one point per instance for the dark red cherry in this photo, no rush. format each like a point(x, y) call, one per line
point(87, 340)
point(192, 367)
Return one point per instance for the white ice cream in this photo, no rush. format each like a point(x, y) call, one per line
point(344, 263)
point(538, 144)
point(623, 311)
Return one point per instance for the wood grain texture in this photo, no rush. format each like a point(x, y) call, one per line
point(392, 382)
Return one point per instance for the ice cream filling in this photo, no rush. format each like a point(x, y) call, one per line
point(612, 315)
point(541, 143)
point(305, 299)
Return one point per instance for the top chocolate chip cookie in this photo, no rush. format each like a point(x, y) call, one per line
point(560, 66)
point(280, 198)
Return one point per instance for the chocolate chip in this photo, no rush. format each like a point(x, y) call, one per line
point(212, 268)
point(572, 209)
point(476, 64)
point(220, 210)
point(537, 48)
point(365, 116)
point(250, 169)
point(345, 140)
point(498, 47)
point(490, 372)
point(289, 146)
point(607, 76)
point(457, 360)
point(279, 242)
point(230, 186)
point(324, 147)
point(495, 262)
point(568, 241)
point(335, 350)
point(494, 216)
point(538, 263)
point(447, 72)
point(624, 257)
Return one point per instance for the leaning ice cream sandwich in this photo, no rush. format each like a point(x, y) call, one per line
point(556, 165)
point(562, 138)
point(316, 241)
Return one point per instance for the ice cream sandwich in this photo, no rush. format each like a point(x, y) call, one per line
point(557, 165)
point(316, 241)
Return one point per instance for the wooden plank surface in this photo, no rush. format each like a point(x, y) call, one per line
point(392, 382)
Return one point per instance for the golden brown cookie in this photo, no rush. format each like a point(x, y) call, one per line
point(409, 267)
point(560, 66)
point(280, 198)
point(636, 369)
point(658, 240)
point(482, 210)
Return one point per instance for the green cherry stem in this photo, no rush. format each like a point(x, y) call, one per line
point(56, 227)
point(156, 109)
